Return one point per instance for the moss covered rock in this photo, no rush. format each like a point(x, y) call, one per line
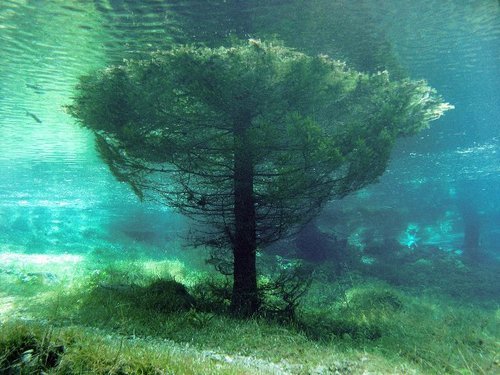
point(166, 296)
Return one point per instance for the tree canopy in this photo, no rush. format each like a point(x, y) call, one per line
point(250, 139)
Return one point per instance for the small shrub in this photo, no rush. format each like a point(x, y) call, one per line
point(213, 295)
point(198, 319)
point(281, 296)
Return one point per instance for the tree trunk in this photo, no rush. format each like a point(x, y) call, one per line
point(472, 232)
point(245, 300)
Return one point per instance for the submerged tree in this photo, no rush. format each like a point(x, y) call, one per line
point(252, 139)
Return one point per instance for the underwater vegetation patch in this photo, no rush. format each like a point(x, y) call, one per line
point(25, 350)
point(31, 348)
point(363, 313)
point(439, 271)
point(161, 295)
point(350, 324)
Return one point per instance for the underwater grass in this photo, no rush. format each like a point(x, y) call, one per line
point(359, 325)
point(433, 332)
point(89, 350)
point(34, 348)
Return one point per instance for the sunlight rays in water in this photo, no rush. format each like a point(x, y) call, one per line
point(43, 269)
point(8, 259)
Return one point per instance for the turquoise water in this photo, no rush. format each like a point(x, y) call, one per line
point(399, 277)
point(54, 189)
point(57, 195)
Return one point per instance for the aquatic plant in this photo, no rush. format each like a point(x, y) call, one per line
point(282, 294)
point(31, 348)
point(23, 350)
point(369, 327)
point(251, 140)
